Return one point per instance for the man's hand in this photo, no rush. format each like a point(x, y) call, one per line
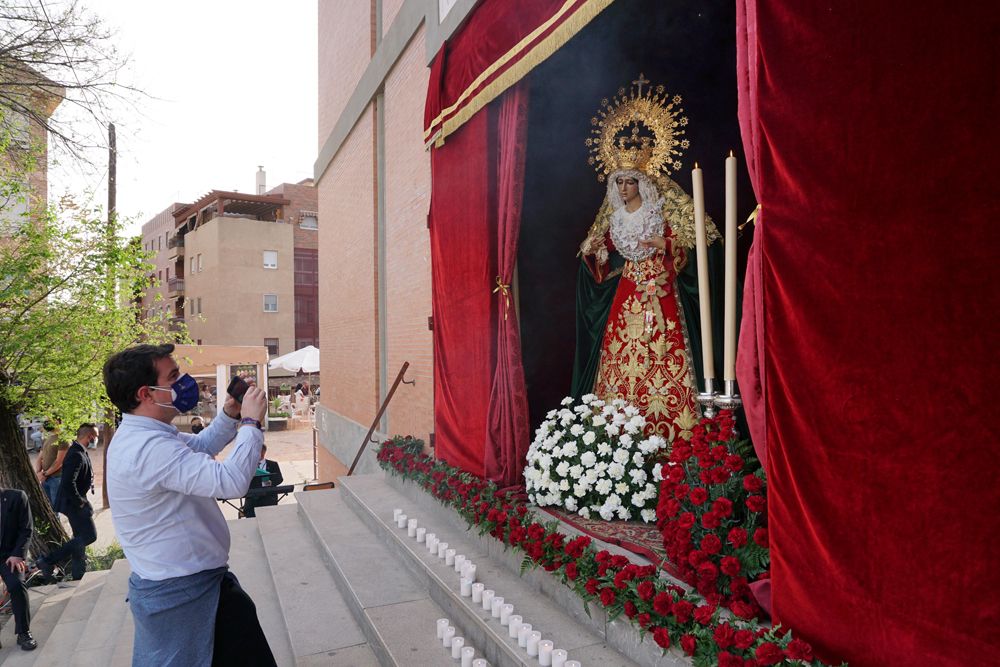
point(231, 407)
point(17, 564)
point(40, 474)
point(255, 404)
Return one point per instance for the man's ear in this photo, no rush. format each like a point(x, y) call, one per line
point(142, 394)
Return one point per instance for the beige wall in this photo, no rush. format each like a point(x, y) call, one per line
point(233, 281)
point(155, 234)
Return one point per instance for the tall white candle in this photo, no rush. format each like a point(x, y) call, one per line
point(533, 639)
point(469, 571)
point(466, 588)
point(468, 653)
point(477, 593)
point(513, 625)
point(449, 634)
point(545, 653)
point(411, 527)
point(432, 543)
point(442, 625)
point(496, 606)
point(704, 293)
point(523, 633)
point(456, 647)
point(505, 611)
point(559, 657)
point(442, 549)
point(488, 599)
point(421, 533)
point(729, 365)
point(449, 557)
point(459, 562)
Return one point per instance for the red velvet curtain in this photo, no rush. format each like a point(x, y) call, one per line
point(464, 270)
point(871, 130)
point(508, 432)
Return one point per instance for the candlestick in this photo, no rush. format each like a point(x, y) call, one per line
point(456, 647)
point(421, 533)
point(442, 549)
point(729, 364)
point(488, 599)
point(466, 588)
point(496, 606)
point(513, 625)
point(523, 633)
point(505, 612)
point(396, 513)
point(459, 562)
point(477, 593)
point(533, 639)
point(449, 557)
point(704, 290)
point(559, 657)
point(448, 635)
point(411, 527)
point(401, 521)
point(545, 653)
point(468, 653)
point(442, 625)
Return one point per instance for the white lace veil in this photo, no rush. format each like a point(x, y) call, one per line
point(647, 189)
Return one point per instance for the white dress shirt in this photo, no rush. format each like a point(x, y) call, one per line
point(163, 485)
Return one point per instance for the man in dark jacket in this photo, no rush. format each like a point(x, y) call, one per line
point(15, 531)
point(268, 474)
point(77, 479)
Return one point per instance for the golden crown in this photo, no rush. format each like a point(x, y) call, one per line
point(638, 130)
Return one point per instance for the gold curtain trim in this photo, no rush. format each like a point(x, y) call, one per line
point(535, 56)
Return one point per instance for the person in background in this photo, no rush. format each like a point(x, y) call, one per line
point(268, 474)
point(48, 465)
point(197, 425)
point(15, 531)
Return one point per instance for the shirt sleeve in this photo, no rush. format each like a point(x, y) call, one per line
point(169, 464)
point(215, 437)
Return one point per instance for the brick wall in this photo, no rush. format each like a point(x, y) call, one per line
point(389, 10)
point(304, 197)
point(408, 263)
point(345, 47)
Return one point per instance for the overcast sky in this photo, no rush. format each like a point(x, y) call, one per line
point(233, 86)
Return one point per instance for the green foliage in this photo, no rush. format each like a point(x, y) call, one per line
point(103, 559)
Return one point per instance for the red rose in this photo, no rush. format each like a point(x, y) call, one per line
point(686, 520)
point(591, 586)
point(630, 609)
point(703, 614)
point(734, 462)
point(707, 571)
point(644, 620)
point(719, 475)
point(646, 590)
point(769, 653)
point(799, 650)
point(743, 609)
point(743, 639)
point(662, 603)
point(756, 503)
point(699, 495)
point(753, 483)
point(607, 596)
point(723, 507)
point(683, 610)
point(602, 556)
point(711, 521)
point(737, 537)
point(726, 659)
point(711, 543)
point(661, 637)
point(730, 565)
point(689, 644)
point(572, 571)
point(760, 537)
point(724, 635)
point(696, 558)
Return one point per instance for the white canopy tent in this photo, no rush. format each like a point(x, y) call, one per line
point(304, 360)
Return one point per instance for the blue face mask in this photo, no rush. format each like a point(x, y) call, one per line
point(184, 394)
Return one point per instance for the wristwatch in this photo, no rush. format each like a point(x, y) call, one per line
point(251, 421)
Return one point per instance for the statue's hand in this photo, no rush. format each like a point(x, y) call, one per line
point(602, 255)
point(657, 242)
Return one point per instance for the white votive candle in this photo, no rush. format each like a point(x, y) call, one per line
point(401, 521)
point(395, 515)
point(449, 557)
point(442, 625)
point(505, 612)
point(523, 633)
point(559, 657)
point(496, 605)
point(479, 662)
point(545, 653)
point(456, 647)
point(421, 533)
point(449, 634)
point(466, 588)
point(459, 562)
point(488, 599)
point(468, 653)
point(572, 663)
point(477, 593)
point(431, 541)
point(513, 625)
point(533, 640)
point(411, 527)
point(442, 549)
point(469, 572)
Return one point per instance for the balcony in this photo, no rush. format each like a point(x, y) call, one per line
point(175, 286)
point(175, 247)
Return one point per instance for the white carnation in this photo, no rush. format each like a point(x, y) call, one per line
point(589, 438)
point(562, 469)
point(638, 459)
point(603, 487)
point(631, 410)
point(638, 476)
point(589, 398)
point(567, 401)
point(564, 485)
point(579, 490)
point(626, 440)
point(599, 420)
point(570, 503)
point(624, 514)
point(576, 431)
point(658, 472)
point(604, 449)
point(620, 456)
point(607, 513)
point(613, 501)
point(551, 414)
point(585, 513)
point(621, 487)
point(588, 459)
point(638, 499)
point(570, 449)
point(616, 470)
point(612, 430)
point(576, 471)
point(649, 516)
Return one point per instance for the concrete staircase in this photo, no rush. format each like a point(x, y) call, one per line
point(337, 583)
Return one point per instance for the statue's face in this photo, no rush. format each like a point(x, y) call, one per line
point(628, 188)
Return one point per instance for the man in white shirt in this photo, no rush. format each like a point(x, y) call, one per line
point(162, 486)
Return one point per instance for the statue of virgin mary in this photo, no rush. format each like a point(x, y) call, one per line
point(637, 287)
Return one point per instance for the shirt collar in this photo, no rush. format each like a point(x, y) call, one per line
point(138, 421)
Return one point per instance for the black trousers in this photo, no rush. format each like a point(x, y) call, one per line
point(18, 597)
point(239, 639)
point(81, 520)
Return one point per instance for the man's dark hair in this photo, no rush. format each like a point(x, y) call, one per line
point(84, 428)
point(127, 371)
point(263, 448)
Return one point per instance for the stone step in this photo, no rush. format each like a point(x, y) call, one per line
point(392, 605)
point(58, 647)
point(47, 604)
point(103, 630)
point(248, 561)
point(122, 657)
point(374, 501)
point(321, 628)
point(618, 634)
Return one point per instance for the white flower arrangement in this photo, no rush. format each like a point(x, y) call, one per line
point(593, 459)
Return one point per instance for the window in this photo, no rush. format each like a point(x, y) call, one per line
point(272, 346)
point(192, 265)
point(270, 303)
point(199, 305)
point(168, 274)
point(270, 259)
point(309, 220)
point(199, 341)
point(201, 267)
point(159, 277)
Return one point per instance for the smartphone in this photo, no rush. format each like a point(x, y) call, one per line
point(237, 387)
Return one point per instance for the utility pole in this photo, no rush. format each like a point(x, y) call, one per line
point(109, 415)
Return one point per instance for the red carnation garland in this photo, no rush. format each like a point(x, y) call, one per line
point(665, 611)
